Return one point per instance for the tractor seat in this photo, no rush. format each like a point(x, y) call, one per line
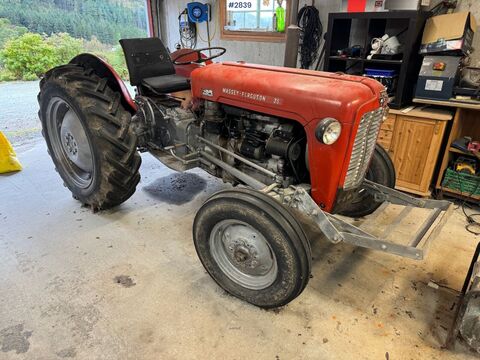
point(149, 65)
point(166, 83)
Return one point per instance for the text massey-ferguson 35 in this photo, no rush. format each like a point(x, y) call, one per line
point(297, 141)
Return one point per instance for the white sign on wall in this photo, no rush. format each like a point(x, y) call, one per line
point(241, 5)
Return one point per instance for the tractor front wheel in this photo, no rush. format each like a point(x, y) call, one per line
point(253, 247)
point(381, 171)
point(88, 136)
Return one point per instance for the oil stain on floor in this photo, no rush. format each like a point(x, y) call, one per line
point(124, 280)
point(176, 188)
point(14, 338)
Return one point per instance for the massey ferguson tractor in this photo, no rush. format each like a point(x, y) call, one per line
point(297, 146)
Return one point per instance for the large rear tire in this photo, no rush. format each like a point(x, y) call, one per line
point(253, 247)
point(89, 136)
point(381, 171)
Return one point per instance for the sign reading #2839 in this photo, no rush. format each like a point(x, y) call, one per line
point(246, 5)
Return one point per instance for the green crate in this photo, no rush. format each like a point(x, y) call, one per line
point(465, 183)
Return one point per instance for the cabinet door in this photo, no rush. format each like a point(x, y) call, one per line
point(415, 148)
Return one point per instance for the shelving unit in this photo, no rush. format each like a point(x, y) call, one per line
point(454, 150)
point(465, 123)
point(377, 61)
point(349, 29)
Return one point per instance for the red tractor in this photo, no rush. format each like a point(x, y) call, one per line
point(291, 142)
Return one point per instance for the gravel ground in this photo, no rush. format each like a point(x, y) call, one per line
point(18, 118)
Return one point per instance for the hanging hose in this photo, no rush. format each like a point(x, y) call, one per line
point(308, 20)
point(187, 31)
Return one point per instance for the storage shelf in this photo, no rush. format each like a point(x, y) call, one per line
point(378, 61)
point(449, 191)
point(474, 105)
point(384, 61)
point(457, 151)
point(345, 58)
point(346, 30)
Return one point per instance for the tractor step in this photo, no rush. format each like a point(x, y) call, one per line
point(388, 229)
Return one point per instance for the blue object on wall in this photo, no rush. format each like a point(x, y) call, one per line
point(197, 12)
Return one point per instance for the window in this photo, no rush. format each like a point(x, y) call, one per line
point(260, 20)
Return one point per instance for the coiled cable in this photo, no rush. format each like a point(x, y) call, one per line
point(308, 19)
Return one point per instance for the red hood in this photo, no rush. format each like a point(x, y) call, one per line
point(302, 95)
point(305, 96)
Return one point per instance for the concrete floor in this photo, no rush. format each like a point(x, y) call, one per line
point(127, 284)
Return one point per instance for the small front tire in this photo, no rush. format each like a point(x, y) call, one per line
point(381, 171)
point(253, 247)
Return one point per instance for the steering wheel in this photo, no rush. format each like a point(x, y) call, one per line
point(199, 58)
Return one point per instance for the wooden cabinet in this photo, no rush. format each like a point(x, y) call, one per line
point(413, 140)
point(386, 132)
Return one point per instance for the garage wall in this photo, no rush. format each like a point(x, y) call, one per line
point(269, 53)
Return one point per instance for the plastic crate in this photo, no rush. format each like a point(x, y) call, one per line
point(387, 78)
point(465, 183)
point(380, 73)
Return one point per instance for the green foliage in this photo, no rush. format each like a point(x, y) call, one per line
point(109, 20)
point(36, 35)
point(117, 60)
point(31, 55)
point(95, 46)
point(6, 75)
point(9, 31)
point(28, 56)
point(65, 26)
point(66, 47)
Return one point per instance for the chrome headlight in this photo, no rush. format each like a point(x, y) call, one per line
point(328, 131)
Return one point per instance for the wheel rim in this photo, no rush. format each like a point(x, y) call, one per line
point(243, 254)
point(69, 142)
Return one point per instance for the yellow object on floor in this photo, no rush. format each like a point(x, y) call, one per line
point(8, 158)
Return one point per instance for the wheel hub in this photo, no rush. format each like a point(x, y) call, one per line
point(243, 254)
point(75, 142)
point(70, 146)
point(70, 142)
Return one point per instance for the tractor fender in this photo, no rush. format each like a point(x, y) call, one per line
point(105, 70)
point(186, 70)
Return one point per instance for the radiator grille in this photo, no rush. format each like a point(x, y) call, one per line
point(363, 147)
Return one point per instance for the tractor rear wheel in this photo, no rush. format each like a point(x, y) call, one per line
point(89, 136)
point(253, 247)
point(381, 171)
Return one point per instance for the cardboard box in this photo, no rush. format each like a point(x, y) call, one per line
point(450, 32)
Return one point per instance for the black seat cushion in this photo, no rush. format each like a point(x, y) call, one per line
point(146, 57)
point(167, 83)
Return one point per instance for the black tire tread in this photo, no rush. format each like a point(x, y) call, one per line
point(110, 125)
point(366, 204)
point(289, 223)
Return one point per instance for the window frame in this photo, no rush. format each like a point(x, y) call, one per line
point(267, 36)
